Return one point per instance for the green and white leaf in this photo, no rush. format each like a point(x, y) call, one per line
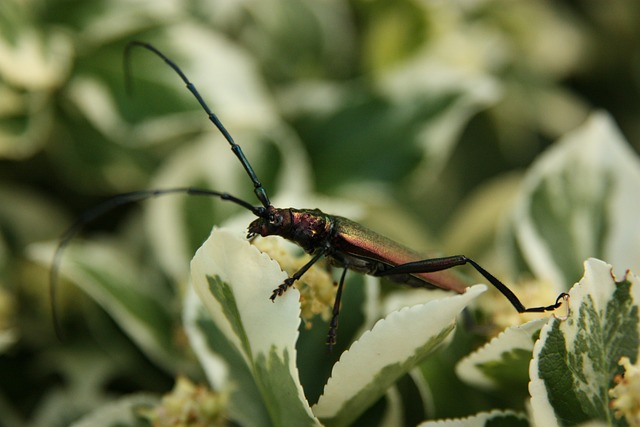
point(392, 415)
point(110, 277)
point(493, 418)
point(234, 282)
point(504, 361)
point(458, 92)
point(392, 348)
point(224, 366)
point(575, 361)
point(396, 405)
point(34, 63)
point(580, 200)
point(121, 413)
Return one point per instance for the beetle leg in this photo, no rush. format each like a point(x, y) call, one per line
point(298, 274)
point(438, 264)
point(333, 326)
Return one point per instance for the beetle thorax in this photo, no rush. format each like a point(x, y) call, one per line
point(308, 228)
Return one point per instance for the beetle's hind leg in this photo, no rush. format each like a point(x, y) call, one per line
point(438, 264)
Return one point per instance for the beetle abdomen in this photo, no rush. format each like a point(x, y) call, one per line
point(376, 253)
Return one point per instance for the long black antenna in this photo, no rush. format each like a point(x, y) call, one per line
point(110, 204)
point(259, 190)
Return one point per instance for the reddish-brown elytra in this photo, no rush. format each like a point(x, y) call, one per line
point(344, 243)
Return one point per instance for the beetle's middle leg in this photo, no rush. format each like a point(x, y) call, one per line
point(333, 326)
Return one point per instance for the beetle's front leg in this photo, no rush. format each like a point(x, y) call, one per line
point(298, 274)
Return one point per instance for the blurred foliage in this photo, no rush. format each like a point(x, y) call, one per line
point(422, 114)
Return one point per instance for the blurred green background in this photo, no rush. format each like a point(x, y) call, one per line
point(415, 110)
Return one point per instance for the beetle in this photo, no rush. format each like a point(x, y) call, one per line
point(345, 243)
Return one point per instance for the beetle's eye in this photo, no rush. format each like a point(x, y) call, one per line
point(275, 219)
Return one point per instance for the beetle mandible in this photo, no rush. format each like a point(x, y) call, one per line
point(343, 242)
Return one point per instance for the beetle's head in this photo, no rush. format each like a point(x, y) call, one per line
point(274, 221)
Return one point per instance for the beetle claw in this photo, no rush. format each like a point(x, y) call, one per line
point(562, 298)
point(282, 288)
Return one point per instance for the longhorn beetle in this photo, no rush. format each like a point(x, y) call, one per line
point(343, 242)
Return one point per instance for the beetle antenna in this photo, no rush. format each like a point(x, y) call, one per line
point(110, 204)
point(259, 190)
